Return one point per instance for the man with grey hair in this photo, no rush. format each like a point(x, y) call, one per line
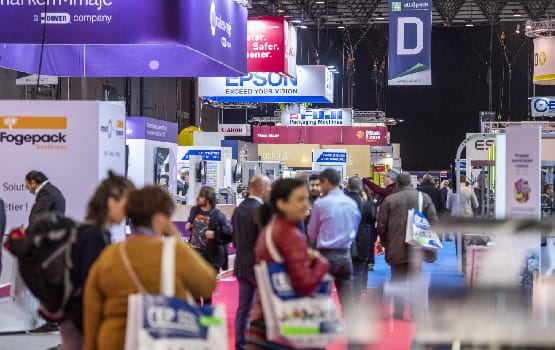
point(392, 224)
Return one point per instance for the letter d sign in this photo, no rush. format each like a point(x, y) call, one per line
point(401, 49)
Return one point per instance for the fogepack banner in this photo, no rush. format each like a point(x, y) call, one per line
point(125, 37)
point(523, 169)
point(271, 45)
point(544, 61)
point(410, 35)
point(318, 117)
point(73, 143)
point(542, 106)
point(152, 152)
point(329, 135)
point(313, 84)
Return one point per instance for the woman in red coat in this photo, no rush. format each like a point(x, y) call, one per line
point(289, 202)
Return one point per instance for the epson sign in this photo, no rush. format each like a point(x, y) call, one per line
point(542, 106)
point(261, 80)
point(313, 84)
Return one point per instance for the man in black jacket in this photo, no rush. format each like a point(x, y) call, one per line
point(431, 190)
point(48, 197)
point(245, 235)
point(210, 231)
point(360, 249)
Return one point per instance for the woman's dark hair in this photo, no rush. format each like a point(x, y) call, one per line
point(36, 176)
point(208, 193)
point(115, 187)
point(144, 203)
point(281, 189)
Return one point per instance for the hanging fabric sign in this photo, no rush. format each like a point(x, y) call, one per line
point(410, 34)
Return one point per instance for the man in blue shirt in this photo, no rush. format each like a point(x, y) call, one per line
point(332, 228)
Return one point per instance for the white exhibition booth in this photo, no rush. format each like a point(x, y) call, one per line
point(207, 166)
point(74, 143)
point(152, 152)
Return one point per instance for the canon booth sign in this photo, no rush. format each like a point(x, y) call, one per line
point(313, 84)
point(235, 129)
point(318, 117)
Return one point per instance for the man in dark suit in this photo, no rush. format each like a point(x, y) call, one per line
point(48, 197)
point(245, 234)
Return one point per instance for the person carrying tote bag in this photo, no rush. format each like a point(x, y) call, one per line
point(295, 270)
point(109, 283)
point(161, 321)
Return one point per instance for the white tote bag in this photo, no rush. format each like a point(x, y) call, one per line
point(418, 230)
point(162, 322)
point(292, 320)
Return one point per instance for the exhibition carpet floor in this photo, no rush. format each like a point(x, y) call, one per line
point(391, 334)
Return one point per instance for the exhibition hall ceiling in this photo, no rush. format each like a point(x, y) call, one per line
point(363, 13)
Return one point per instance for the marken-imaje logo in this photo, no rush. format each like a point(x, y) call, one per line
point(10, 122)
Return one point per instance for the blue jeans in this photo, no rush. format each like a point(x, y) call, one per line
point(247, 289)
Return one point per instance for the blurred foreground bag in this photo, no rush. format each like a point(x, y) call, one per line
point(162, 322)
point(291, 320)
point(43, 254)
point(418, 230)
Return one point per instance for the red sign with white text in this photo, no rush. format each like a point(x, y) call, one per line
point(323, 135)
point(271, 45)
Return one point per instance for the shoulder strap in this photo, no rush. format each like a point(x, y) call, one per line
point(129, 268)
point(420, 201)
point(167, 279)
point(276, 256)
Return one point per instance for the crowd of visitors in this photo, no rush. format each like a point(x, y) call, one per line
point(319, 226)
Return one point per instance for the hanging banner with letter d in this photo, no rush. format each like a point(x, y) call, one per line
point(410, 35)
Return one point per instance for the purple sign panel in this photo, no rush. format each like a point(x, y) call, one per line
point(150, 129)
point(125, 37)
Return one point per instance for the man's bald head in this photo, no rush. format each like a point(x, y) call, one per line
point(260, 186)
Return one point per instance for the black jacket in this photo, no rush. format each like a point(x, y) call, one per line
point(2, 228)
point(365, 228)
point(245, 234)
point(49, 199)
point(435, 194)
point(91, 240)
point(216, 251)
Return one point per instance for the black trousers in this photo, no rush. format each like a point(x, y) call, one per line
point(399, 275)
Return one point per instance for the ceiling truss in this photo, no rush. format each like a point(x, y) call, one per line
point(362, 13)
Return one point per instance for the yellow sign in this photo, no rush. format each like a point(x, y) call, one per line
point(27, 122)
point(293, 156)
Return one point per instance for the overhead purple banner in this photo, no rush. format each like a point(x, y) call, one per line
point(150, 129)
point(99, 38)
